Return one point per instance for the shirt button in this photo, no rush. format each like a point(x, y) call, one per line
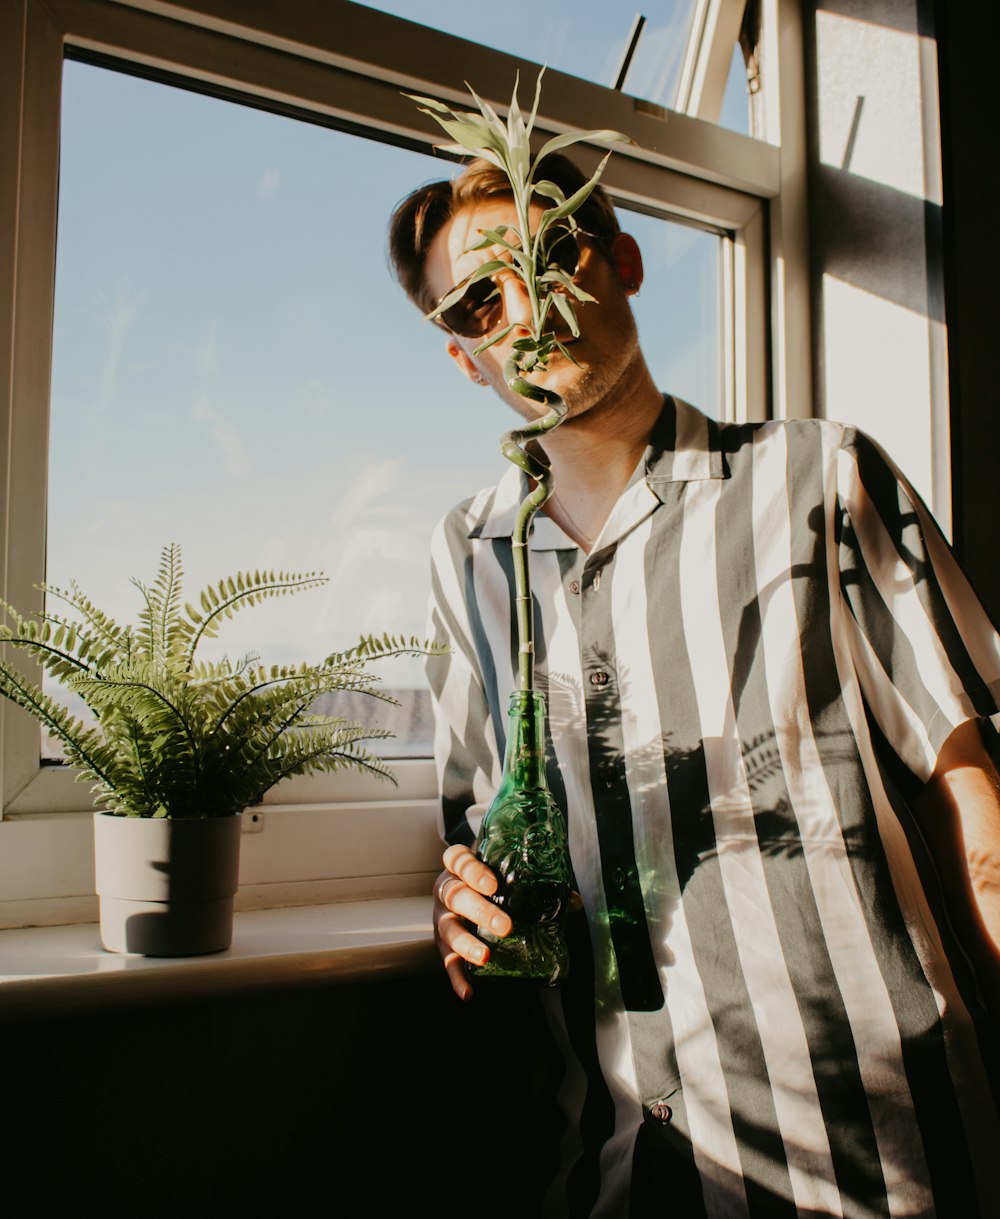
point(574, 586)
point(661, 1112)
point(600, 678)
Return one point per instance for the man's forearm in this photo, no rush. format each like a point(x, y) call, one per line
point(974, 793)
point(959, 812)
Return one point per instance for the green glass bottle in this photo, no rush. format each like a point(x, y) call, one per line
point(524, 840)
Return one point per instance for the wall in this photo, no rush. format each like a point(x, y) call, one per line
point(903, 265)
point(350, 1100)
point(969, 39)
point(875, 195)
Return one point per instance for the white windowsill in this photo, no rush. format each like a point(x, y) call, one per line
point(60, 970)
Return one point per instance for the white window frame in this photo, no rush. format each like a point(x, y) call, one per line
point(715, 29)
point(325, 837)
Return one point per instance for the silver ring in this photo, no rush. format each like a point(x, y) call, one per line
point(443, 887)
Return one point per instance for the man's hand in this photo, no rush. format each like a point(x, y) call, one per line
point(462, 893)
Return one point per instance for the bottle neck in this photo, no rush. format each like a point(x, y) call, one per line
point(524, 759)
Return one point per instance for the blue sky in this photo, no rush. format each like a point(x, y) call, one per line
point(235, 370)
point(584, 37)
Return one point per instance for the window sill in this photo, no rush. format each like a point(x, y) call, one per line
point(62, 970)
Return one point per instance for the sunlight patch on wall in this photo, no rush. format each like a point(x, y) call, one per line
point(877, 359)
point(872, 82)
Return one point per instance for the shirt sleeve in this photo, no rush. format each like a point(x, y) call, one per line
point(465, 752)
point(925, 650)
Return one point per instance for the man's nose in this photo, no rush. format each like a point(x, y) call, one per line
point(516, 302)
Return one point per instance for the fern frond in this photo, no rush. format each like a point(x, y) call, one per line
point(161, 705)
point(102, 624)
point(206, 673)
point(146, 638)
point(255, 707)
point(167, 593)
point(59, 651)
point(372, 647)
point(307, 751)
point(229, 596)
point(84, 746)
point(11, 612)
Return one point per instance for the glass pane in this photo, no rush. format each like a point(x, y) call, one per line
point(679, 309)
point(234, 369)
point(736, 99)
point(586, 38)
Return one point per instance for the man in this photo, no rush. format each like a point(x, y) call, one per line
point(769, 688)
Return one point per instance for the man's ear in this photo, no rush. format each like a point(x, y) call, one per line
point(464, 361)
point(627, 262)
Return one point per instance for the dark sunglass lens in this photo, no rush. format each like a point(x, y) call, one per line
point(475, 313)
point(564, 252)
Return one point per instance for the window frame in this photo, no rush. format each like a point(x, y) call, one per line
point(332, 62)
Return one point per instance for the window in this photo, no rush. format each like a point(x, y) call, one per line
point(223, 317)
point(699, 197)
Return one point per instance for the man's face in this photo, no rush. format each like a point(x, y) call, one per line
point(607, 348)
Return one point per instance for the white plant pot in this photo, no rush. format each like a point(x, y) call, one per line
point(166, 887)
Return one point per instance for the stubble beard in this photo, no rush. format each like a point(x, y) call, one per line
point(599, 381)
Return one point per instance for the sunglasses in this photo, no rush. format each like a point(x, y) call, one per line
point(479, 310)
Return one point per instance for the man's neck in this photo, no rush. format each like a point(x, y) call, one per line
point(593, 456)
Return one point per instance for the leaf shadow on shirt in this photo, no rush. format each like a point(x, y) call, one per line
point(746, 800)
point(867, 597)
point(830, 1076)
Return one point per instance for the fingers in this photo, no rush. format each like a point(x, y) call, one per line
point(462, 893)
point(461, 862)
point(458, 945)
point(464, 889)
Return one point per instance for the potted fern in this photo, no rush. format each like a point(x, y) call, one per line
point(181, 746)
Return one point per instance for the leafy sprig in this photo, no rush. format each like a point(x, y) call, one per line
point(508, 146)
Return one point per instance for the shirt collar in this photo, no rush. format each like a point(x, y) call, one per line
point(684, 447)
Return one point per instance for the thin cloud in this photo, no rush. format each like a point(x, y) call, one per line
point(227, 439)
point(206, 354)
point(269, 184)
point(370, 492)
point(116, 323)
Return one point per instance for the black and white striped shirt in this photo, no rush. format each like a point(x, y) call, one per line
point(748, 679)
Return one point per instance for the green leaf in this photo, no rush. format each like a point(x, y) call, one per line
point(601, 136)
point(428, 104)
point(473, 136)
point(494, 338)
point(568, 313)
point(482, 272)
point(498, 236)
point(550, 190)
point(493, 120)
point(575, 200)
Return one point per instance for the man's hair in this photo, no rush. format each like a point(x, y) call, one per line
point(419, 218)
